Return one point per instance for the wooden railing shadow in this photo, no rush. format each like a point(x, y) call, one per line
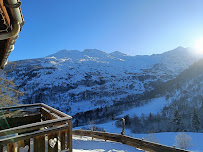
point(51, 130)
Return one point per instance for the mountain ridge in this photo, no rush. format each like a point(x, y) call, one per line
point(76, 82)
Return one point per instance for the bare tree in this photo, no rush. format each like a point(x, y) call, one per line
point(183, 141)
point(9, 95)
point(92, 125)
point(151, 138)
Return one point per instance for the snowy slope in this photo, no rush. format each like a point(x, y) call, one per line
point(176, 60)
point(86, 144)
point(165, 138)
point(77, 82)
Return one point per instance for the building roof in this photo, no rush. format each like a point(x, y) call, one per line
point(11, 22)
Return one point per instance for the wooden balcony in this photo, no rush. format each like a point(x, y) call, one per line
point(35, 128)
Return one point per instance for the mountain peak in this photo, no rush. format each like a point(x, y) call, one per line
point(117, 53)
point(93, 51)
point(179, 51)
point(65, 53)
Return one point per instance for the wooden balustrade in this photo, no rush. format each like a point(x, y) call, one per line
point(138, 143)
point(53, 133)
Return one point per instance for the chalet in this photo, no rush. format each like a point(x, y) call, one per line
point(11, 22)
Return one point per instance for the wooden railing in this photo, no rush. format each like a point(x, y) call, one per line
point(52, 133)
point(138, 143)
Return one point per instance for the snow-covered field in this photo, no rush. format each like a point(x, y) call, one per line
point(153, 107)
point(86, 144)
point(168, 138)
point(165, 138)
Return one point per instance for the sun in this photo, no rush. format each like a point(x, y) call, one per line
point(199, 46)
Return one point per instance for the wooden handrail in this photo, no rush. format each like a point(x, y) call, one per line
point(56, 121)
point(44, 111)
point(57, 112)
point(21, 106)
point(33, 126)
point(33, 134)
point(138, 143)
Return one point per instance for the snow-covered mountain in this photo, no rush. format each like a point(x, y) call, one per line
point(174, 105)
point(77, 82)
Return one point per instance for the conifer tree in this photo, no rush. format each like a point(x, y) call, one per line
point(177, 120)
point(150, 118)
point(195, 120)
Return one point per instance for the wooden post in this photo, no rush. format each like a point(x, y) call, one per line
point(92, 134)
point(11, 147)
point(62, 139)
point(39, 144)
point(24, 144)
point(1, 148)
point(105, 131)
point(69, 136)
point(53, 142)
point(123, 127)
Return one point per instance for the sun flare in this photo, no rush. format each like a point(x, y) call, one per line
point(199, 46)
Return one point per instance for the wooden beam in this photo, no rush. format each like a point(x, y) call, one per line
point(57, 112)
point(47, 115)
point(33, 126)
point(21, 106)
point(5, 13)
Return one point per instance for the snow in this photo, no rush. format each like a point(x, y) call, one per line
point(168, 138)
point(154, 106)
point(165, 138)
point(86, 144)
point(119, 71)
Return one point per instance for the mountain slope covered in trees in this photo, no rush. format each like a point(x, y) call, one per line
point(184, 104)
point(94, 85)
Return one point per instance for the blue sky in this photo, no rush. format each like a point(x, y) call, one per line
point(130, 26)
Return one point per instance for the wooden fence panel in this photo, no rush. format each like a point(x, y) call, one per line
point(39, 143)
point(62, 139)
point(53, 142)
point(69, 136)
point(24, 144)
point(11, 147)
